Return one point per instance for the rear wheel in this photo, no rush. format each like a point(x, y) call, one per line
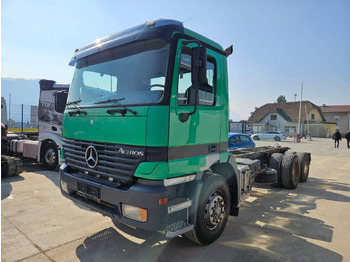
point(50, 156)
point(275, 163)
point(213, 210)
point(290, 171)
point(19, 166)
point(11, 166)
point(304, 160)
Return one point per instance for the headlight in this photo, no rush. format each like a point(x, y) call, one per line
point(64, 186)
point(135, 213)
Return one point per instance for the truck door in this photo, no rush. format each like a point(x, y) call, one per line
point(192, 140)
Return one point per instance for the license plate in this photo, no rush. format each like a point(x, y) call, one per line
point(89, 190)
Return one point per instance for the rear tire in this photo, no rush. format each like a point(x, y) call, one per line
point(275, 163)
point(304, 160)
point(3, 168)
point(11, 166)
point(50, 156)
point(213, 211)
point(290, 171)
point(19, 166)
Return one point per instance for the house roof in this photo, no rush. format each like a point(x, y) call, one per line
point(335, 109)
point(288, 110)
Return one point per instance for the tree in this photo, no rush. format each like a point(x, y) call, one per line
point(281, 99)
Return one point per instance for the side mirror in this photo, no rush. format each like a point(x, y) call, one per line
point(199, 65)
point(60, 101)
point(198, 75)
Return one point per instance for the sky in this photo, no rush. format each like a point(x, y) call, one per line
point(278, 45)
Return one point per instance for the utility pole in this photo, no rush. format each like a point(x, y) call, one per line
point(308, 127)
point(295, 97)
point(299, 124)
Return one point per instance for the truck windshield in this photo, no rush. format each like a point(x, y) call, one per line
point(132, 74)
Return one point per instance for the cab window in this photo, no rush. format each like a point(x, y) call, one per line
point(206, 92)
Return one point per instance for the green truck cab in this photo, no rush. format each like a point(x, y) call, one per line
point(145, 132)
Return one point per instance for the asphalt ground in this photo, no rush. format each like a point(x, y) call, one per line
point(310, 223)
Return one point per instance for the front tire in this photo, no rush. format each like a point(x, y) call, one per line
point(256, 138)
point(50, 156)
point(277, 138)
point(213, 210)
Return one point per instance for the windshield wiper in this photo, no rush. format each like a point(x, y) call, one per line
point(116, 101)
point(110, 101)
point(74, 103)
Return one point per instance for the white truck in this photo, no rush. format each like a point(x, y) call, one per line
point(46, 148)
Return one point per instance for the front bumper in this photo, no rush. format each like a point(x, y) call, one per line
point(108, 201)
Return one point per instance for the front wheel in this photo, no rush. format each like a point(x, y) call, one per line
point(213, 210)
point(256, 138)
point(50, 156)
point(277, 138)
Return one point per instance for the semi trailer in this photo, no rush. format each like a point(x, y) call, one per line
point(46, 147)
point(145, 134)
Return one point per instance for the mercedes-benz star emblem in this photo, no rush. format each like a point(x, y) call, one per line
point(91, 156)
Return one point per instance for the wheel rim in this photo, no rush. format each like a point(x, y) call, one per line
point(50, 156)
point(214, 210)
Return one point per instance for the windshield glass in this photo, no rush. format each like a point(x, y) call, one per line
point(132, 74)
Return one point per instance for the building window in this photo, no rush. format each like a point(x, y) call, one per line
point(312, 116)
point(289, 129)
point(336, 118)
point(273, 117)
point(273, 128)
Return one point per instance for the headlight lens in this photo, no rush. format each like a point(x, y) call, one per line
point(135, 213)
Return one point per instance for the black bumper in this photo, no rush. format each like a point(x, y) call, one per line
point(108, 201)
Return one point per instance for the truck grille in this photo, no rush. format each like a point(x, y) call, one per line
point(115, 163)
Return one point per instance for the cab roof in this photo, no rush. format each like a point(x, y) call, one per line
point(158, 29)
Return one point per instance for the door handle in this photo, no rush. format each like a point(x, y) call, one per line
point(212, 148)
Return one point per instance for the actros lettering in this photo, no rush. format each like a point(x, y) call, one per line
point(130, 152)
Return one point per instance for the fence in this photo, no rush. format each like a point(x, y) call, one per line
point(22, 118)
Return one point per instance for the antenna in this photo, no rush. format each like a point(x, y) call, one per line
point(188, 20)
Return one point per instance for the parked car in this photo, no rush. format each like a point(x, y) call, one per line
point(275, 135)
point(236, 140)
